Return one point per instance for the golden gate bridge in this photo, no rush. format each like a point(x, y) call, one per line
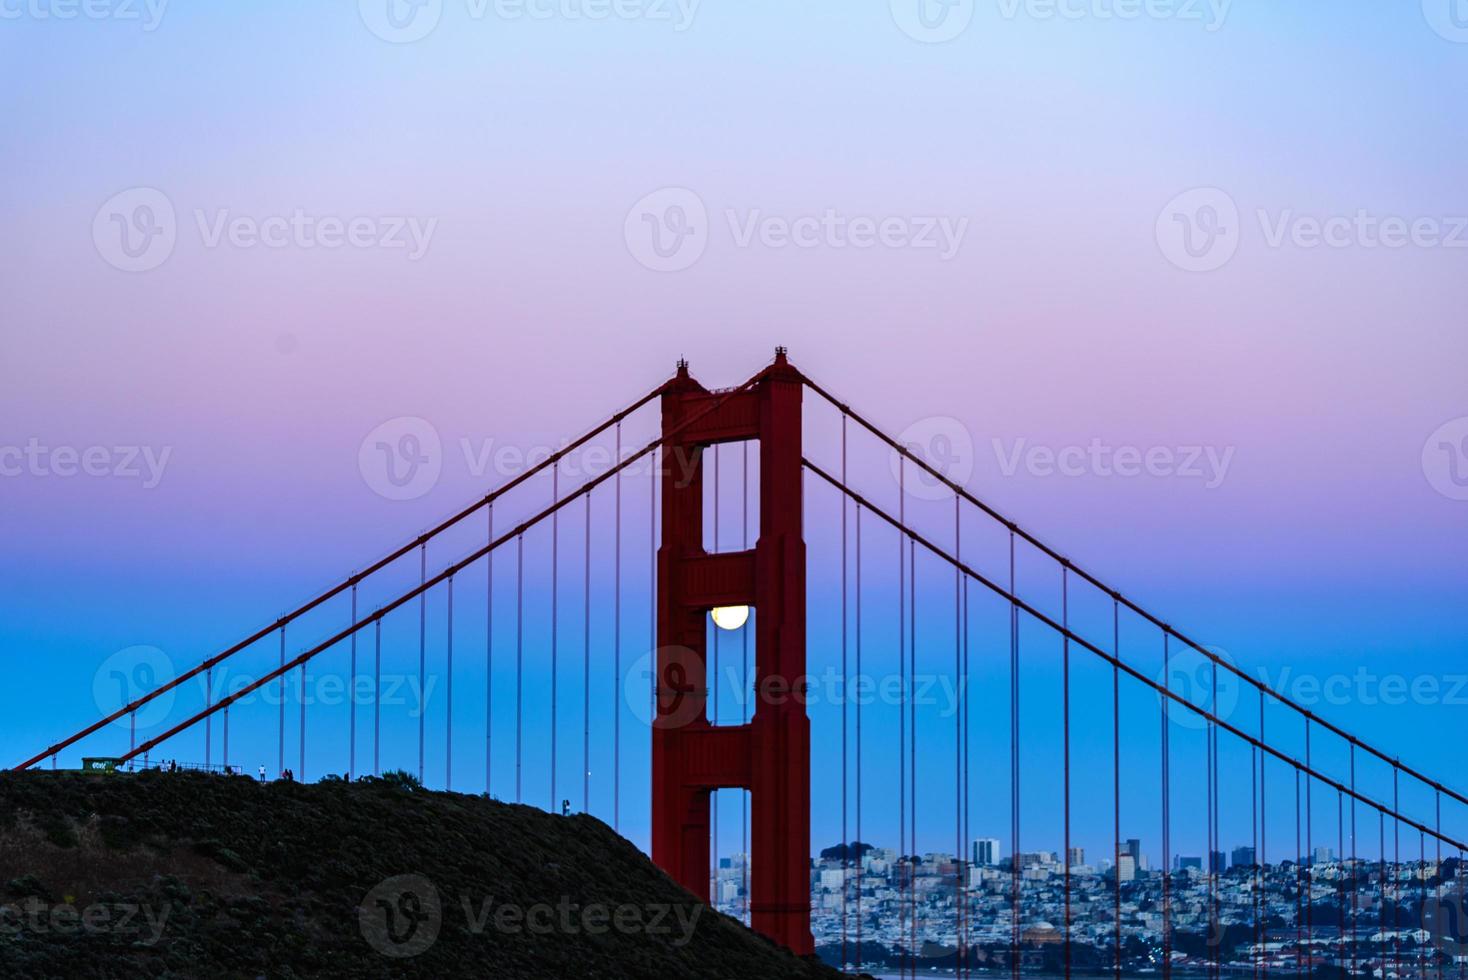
point(770, 753)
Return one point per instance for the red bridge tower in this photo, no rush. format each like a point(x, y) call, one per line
point(770, 756)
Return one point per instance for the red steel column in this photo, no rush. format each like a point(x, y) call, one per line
point(780, 728)
point(771, 755)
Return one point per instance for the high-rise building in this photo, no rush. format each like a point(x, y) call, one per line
point(1324, 855)
point(1243, 857)
point(1218, 862)
point(1126, 867)
point(1075, 857)
point(1131, 846)
point(986, 852)
point(1181, 863)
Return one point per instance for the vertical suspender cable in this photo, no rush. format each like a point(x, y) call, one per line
point(1166, 816)
point(351, 697)
point(422, 653)
point(586, 670)
point(377, 698)
point(1263, 853)
point(1065, 738)
point(1014, 811)
point(858, 738)
point(1437, 871)
point(448, 764)
point(1116, 772)
point(1299, 875)
point(1310, 857)
point(965, 840)
point(958, 871)
point(555, 625)
point(1340, 883)
point(1396, 872)
point(208, 719)
point(489, 655)
point(302, 774)
point(1355, 951)
point(845, 687)
point(519, 665)
point(280, 743)
point(617, 642)
point(1213, 835)
point(912, 721)
point(902, 700)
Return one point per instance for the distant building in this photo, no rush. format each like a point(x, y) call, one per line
point(1126, 867)
point(986, 852)
point(1181, 863)
point(1243, 857)
point(1075, 857)
point(1324, 855)
point(1217, 862)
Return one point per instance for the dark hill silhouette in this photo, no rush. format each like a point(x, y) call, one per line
point(196, 875)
